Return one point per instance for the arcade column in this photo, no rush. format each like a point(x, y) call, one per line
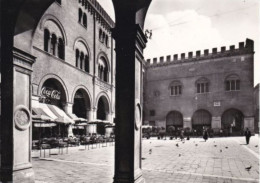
point(130, 42)
point(16, 127)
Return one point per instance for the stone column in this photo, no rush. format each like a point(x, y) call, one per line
point(16, 132)
point(130, 42)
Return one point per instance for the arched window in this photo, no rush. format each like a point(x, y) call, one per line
point(46, 39)
point(106, 40)
point(85, 20)
point(232, 83)
point(103, 69)
point(86, 63)
point(77, 57)
point(53, 44)
point(61, 49)
point(202, 85)
point(80, 15)
point(81, 60)
point(100, 35)
point(103, 37)
point(175, 88)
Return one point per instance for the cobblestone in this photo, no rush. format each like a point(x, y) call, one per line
point(219, 160)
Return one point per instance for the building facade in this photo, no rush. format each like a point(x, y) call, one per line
point(256, 107)
point(213, 90)
point(75, 61)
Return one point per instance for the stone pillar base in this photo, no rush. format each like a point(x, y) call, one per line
point(25, 176)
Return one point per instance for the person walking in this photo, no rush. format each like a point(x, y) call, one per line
point(247, 135)
point(205, 135)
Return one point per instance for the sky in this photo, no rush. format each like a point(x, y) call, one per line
point(181, 26)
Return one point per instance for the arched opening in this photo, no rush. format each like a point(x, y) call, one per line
point(81, 107)
point(201, 119)
point(232, 121)
point(174, 118)
point(102, 113)
point(86, 63)
point(103, 72)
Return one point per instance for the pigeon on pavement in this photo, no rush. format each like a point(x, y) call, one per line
point(177, 145)
point(248, 168)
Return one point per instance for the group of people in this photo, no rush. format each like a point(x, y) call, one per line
point(247, 134)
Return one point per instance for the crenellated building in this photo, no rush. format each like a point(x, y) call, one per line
point(74, 73)
point(214, 89)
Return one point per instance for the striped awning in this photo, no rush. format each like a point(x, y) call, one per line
point(48, 112)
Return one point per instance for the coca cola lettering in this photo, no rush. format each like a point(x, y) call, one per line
point(50, 93)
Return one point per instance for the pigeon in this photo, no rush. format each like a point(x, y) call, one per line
point(183, 142)
point(215, 145)
point(179, 155)
point(220, 150)
point(226, 147)
point(150, 151)
point(196, 144)
point(248, 168)
point(143, 158)
point(256, 146)
point(177, 145)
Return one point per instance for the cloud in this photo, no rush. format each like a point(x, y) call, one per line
point(180, 31)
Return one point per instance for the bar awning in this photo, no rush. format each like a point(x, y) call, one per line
point(62, 117)
point(76, 118)
point(48, 112)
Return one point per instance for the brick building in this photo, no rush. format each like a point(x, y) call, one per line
point(213, 90)
point(74, 73)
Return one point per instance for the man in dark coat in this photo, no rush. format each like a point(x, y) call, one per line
point(205, 135)
point(247, 135)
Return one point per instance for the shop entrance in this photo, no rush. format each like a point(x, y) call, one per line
point(232, 121)
point(174, 118)
point(201, 119)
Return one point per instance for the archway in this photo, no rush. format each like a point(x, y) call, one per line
point(81, 104)
point(102, 113)
point(174, 118)
point(232, 121)
point(201, 119)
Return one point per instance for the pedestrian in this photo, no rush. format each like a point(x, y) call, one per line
point(182, 135)
point(205, 135)
point(247, 135)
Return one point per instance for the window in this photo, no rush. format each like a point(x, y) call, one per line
point(53, 44)
point(202, 85)
point(175, 88)
point(100, 35)
point(77, 57)
point(232, 83)
point(80, 15)
point(85, 20)
point(82, 60)
point(46, 39)
point(152, 112)
point(103, 69)
point(61, 49)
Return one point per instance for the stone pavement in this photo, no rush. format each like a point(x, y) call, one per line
point(219, 160)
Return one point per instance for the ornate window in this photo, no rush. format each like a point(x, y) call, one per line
point(82, 56)
point(202, 85)
point(175, 88)
point(232, 83)
point(54, 42)
point(103, 69)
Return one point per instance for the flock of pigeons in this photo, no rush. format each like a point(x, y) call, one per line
point(177, 145)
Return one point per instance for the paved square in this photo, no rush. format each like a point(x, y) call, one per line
point(219, 160)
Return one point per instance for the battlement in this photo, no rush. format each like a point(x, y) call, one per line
point(243, 48)
point(101, 15)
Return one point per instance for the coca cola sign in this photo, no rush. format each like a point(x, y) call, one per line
point(50, 93)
